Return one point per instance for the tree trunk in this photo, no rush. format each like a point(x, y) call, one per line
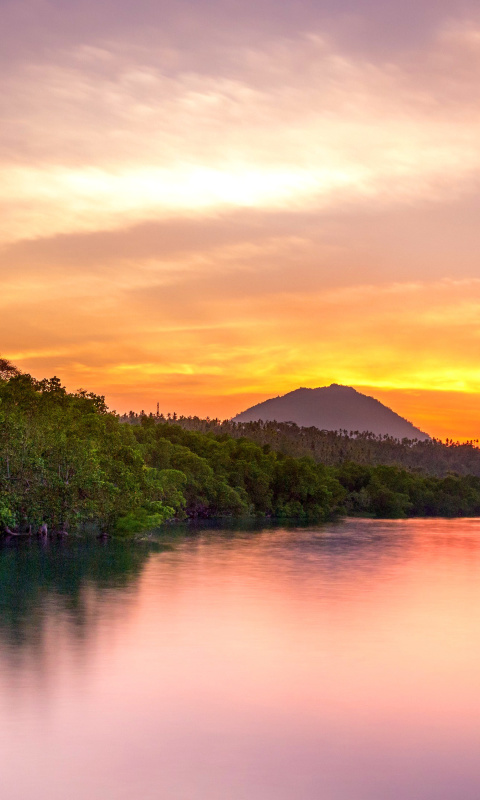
point(9, 532)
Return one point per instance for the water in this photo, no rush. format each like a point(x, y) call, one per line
point(334, 663)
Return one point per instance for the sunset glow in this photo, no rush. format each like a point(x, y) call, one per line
point(205, 211)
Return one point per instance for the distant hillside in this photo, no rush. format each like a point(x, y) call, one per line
point(333, 408)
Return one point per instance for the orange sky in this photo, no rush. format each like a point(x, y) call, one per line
point(205, 217)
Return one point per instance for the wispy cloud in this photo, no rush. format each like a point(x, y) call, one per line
point(234, 211)
point(111, 137)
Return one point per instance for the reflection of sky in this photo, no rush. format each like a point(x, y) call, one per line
point(340, 664)
point(229, 200)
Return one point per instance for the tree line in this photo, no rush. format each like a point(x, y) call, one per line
point(333, 448)
point(67, 462)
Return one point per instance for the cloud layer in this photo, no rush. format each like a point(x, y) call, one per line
point(210, 211)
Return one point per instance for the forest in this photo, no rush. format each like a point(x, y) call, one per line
point(333, 448)
point(68, 464)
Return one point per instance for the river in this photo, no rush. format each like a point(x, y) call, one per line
point(338, 662)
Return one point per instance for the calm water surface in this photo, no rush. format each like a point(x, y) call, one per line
point(334, 663)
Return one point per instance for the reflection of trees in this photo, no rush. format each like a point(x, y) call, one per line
point(67, 579)
point(64, 591)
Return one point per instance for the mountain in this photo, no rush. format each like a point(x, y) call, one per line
point(333, 408)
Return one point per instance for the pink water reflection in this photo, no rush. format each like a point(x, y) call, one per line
point(333, 664)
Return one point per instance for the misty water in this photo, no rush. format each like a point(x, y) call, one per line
point(332, 663)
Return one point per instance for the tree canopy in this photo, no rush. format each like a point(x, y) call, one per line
point(66, 461)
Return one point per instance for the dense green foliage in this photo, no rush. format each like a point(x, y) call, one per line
point(66, 461)
point(334, 448)
point(236, 476)
point(392, 492)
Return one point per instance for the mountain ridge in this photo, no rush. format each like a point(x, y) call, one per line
point(334, 407)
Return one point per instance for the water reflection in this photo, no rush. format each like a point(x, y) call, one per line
point(57, 596)
point(332, 663)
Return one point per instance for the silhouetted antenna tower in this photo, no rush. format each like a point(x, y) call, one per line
point(158, 409)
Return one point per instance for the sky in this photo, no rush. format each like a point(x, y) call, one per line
point(206, 204)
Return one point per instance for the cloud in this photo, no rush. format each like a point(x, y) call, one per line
point(191, 206)
point(422, 336)
point(103, 137)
